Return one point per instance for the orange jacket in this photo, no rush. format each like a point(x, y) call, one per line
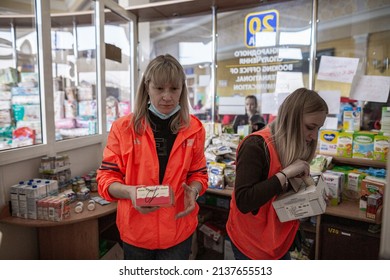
point(132, 160)
point(262, 236)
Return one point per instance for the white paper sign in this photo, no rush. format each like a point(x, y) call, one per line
point(332, 99)
point(288, 81)
point(270, 102)
point(231, 101)
point(371, 88)
point(231, 110)
point(337, 69)
point(330, 123)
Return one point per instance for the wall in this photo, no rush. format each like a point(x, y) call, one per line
point(22, 244)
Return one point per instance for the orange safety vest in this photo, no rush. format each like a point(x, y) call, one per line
point(132, 160)
point(262, 236)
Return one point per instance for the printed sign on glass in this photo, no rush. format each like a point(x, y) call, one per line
point(255, 23)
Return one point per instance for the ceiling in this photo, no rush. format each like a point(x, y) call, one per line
point(152, 11)
point(174, 8)
point(20, 12)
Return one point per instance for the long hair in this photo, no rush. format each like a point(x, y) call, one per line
point(287, 128)
point(164, 69)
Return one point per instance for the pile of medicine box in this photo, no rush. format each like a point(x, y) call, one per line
point(39, 199)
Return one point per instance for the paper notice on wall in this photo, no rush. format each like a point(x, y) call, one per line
point(330, 123)
point(337, 69)
point(371, 88)
point(288, 81)
point(231, 105)
point(270, 102)
point(332, 99)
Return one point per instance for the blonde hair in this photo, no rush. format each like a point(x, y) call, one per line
point(287, 128)
point(164, 69)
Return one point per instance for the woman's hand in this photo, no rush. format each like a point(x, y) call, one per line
point(190, 194)
point(129, 192)
point(298, 168)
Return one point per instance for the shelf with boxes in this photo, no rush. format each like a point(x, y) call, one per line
point(211, 234)
point(356, 186)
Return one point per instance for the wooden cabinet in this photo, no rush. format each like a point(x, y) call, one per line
point(76, 238)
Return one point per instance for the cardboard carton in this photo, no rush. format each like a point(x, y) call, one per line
point(308, 201)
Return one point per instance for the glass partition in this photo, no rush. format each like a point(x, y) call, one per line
point(354, 48)
point(73, 40)
point(262, 52)
point(20, 102)
point(190, 41)
point(118, 67)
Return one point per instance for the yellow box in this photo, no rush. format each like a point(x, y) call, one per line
point(328, 142)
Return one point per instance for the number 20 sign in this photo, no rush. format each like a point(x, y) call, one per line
point(266, 21)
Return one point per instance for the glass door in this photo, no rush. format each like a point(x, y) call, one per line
point(116, 59)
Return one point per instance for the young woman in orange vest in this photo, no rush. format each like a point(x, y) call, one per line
point(266, 160)
point(159, 144)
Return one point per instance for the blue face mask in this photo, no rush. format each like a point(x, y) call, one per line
point(161, 115)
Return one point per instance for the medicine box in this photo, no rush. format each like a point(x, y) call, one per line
point(328, 142)
point(14, 197)
point(334, 182)
point(351, 119)
point(159, 195)
point(363, 145)
point(344, 144)
point(213, 237)
point(373, 202)
point(381, 147)
point(307, 202)
point(353, 186)
point(370, 185)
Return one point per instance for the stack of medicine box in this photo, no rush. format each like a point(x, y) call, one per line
point(26, 194)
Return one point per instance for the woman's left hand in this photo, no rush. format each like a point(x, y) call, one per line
point(189, 200)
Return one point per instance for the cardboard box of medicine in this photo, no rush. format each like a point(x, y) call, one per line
point(308, 201)
point(213, 237)
point(351, 119)
point(374, 201)
point(14, 196)
point(363, 145)
point(353, 186)
point(370, 186)
point(334, 181)
point(328, 142)
point(381, 147)
point(344, 144)
point(159, 195)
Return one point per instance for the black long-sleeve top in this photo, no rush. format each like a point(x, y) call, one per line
point(252, 188)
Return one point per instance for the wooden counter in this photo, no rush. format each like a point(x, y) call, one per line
point(75, 238)
point(350, 210)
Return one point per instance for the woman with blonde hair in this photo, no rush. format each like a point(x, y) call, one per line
point(266, 160)
point(159, 144)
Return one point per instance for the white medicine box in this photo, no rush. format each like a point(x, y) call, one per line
point(307, 202)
